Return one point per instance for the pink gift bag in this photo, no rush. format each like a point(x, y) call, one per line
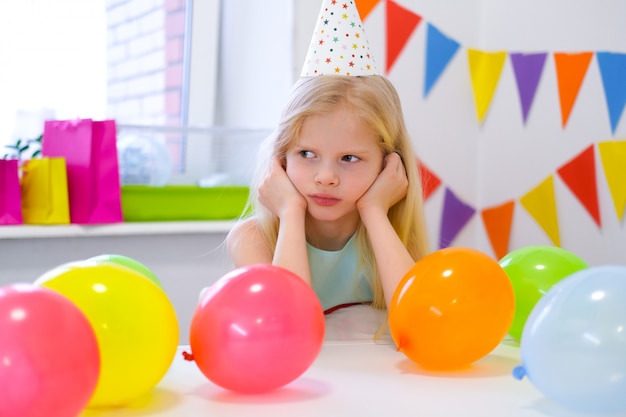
point(90, 151)
point(10, 196)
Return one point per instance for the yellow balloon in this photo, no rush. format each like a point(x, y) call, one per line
point(134, 321)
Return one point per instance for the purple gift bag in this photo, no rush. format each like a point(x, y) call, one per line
point(90, 151)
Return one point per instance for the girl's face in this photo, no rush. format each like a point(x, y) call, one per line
point(333, 164)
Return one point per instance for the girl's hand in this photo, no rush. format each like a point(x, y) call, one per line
point(389, 187)
point(278, 194)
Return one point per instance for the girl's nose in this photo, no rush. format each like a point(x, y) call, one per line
point(326, 176)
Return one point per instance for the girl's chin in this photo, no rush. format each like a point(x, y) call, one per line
point(330, 216)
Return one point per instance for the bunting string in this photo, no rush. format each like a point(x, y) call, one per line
point(486, 66)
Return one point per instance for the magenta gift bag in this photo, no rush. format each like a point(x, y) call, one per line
point(10, 194)
point(90, 151)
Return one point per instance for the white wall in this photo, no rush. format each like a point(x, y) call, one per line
point(184, 263)
point(502, 159)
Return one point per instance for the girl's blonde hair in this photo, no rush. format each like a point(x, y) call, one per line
point(375, 101)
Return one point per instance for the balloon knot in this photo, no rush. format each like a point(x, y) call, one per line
point(188, 356)
point(519, 372)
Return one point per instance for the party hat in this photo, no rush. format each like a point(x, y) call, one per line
point(339, 45)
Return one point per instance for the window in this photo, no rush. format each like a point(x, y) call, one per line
point(205, 78)
point(53, 63)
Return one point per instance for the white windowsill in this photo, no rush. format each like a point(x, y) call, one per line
point(117, 229)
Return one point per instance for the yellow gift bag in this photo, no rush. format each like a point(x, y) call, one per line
point(44, 191)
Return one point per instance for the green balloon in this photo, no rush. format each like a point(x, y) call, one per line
point(533, 270)
point(129, 263)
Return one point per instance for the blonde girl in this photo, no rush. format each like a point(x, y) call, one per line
point(337, 197)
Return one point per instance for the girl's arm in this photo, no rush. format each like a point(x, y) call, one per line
point(245, 242)
point(290, 250)
point(391, 255)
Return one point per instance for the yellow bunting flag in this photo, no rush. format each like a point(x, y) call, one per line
point(485, 69)
point(497, 222)
point(541, 205)
point(613, 156)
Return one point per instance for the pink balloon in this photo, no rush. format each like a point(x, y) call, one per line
point(256, 329)
point(49, 357)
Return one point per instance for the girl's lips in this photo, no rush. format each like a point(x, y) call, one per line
point(324, 200)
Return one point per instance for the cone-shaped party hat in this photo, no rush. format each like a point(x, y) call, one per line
point(339, 45)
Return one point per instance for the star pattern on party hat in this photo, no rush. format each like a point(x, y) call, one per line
point(339, 45)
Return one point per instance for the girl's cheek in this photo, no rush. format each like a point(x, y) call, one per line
point(292, 172)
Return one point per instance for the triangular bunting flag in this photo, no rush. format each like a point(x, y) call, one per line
point(365, 7)
point(430, 181)
point(497, 222)
point(439, 51)
point(401, 23)
point(485, 70)
point(613, 156)
point(613, 71)
point(540, 203)
point(528, 69)
point(570, 72)
point(579, 175)
point(455, 216)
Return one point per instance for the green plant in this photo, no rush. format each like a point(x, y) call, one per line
point(24, 149)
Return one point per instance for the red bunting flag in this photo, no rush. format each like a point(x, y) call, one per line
point(401, 23)
point(579, 175)
point(430, 181)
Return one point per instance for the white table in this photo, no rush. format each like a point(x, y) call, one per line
point(353, 376)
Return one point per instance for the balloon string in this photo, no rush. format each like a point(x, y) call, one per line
point(188, 356)
point(340, 306)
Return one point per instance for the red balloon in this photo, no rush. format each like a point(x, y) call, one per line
point(49, 357)
point(256, 329)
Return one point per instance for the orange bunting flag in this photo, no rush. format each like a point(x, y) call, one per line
point(401, 23)
point(485, 69)
point(613, 157)
point(365, 7)
point(579, 175)
point(430, 181)
point(540, 203)
point(570, 73)
point(497, 222)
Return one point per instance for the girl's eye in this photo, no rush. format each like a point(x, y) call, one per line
point(350, 158)
point(306, 154)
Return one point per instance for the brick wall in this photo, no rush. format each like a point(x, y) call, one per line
point(145, 45)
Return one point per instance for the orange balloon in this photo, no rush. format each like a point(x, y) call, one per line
point(452, 308)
